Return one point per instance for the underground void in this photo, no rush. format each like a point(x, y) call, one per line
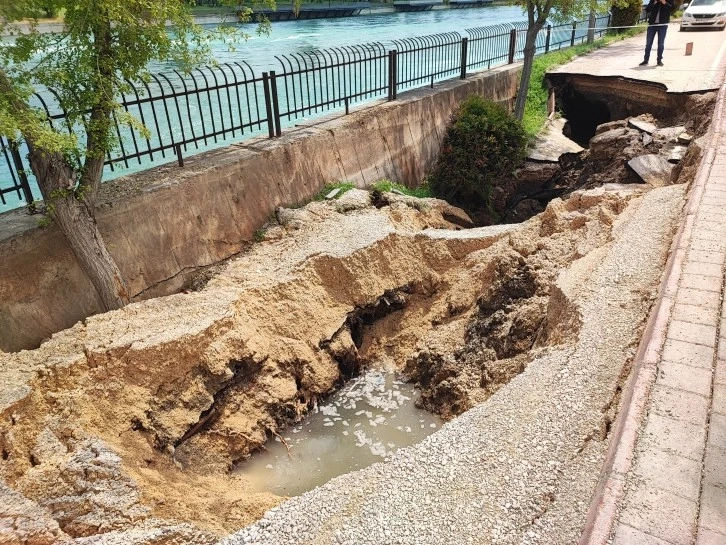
point(583, 114)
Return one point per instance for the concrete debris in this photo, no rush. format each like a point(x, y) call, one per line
point(552, 143)
point(654, 170)
point(641, 125)
point(333, 193)
point(676, 154)
point(684, 138)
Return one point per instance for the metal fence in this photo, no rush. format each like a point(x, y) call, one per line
point(317, 81)
point(186, 113)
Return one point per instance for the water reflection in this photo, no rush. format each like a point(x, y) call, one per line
point(367, 420)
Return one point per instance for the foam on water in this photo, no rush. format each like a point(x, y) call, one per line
point(368, 419)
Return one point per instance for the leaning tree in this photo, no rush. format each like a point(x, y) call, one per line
point(538, 13)
point(103, 45)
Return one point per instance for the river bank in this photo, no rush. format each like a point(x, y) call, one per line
point(215, 18)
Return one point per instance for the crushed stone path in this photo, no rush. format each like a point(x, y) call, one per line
point(665, 478)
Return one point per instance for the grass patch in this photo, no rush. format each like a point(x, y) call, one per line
point(343, 186)
point(535, 112)
point(386, 186)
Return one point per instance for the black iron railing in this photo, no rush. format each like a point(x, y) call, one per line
point(427, 59)
point(186, 113)
point(179, 111)
point(318, 81)
point(17, 182)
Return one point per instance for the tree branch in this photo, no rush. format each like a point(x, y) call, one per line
point(100, 120)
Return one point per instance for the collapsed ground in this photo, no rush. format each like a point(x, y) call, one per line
point(125, 427)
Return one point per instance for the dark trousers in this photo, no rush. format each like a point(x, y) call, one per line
point(650, 36)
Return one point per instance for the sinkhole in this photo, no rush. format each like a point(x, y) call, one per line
point(583, 113)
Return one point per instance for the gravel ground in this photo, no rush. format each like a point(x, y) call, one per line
point(520, 468)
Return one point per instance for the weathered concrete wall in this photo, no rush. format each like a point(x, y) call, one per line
point(163, 224)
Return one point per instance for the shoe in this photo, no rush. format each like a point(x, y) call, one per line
point(660, 63)
point(644, 63)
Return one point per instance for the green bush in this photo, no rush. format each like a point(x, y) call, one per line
point(625, 13)
point(483, 146)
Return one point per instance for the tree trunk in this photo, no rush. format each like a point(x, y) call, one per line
point(75, 214)
point(529, 51)
point(76, 218)
point(591, 26)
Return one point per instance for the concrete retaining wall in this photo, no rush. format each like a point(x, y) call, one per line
point(164, 224)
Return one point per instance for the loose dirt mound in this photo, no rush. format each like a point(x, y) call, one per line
point(135, 417)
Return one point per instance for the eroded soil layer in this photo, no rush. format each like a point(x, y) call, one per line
point(124, 428)
point(520, 467)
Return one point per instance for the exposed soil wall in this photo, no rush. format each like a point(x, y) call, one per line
point(134, 417)
point(162, 225)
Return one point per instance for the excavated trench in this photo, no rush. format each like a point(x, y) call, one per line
point(133, 420)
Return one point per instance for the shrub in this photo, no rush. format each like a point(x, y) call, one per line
point(483, 146)
point(625, 13)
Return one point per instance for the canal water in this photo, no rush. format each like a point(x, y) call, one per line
point(304, 36)
point(367, 420)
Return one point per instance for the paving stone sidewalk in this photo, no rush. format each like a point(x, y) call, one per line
point(682, 73)
point(666, 472)
point(676, 489)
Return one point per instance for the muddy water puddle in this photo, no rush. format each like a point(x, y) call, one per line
point(368, 419)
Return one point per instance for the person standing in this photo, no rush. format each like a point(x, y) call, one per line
point(659, 15)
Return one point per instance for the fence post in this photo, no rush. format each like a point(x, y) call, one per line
point(179, 156)
point(549, 38)
point(20, 169)
point(392, 74)
point(268, 105)
point(275, 103)
point(395, 75)
point(464, 55)
point(512, 44)
point(574, 30)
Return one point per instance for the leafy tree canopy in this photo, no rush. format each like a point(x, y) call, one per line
point(104, 44)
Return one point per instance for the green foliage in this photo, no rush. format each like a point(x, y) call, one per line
point(259, 234)
point(535, 112)
point(483, 145)
point(385, 186)
point(343, 186)
point(104, 44)
point(625, 13)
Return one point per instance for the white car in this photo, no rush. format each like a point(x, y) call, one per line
point(704, 14)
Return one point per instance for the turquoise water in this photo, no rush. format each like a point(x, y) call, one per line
point(304, 36)
point(292, 36)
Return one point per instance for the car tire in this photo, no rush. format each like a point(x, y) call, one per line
point(722, 28)
point(681, 29)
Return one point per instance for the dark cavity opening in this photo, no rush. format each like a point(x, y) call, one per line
point(583, 114)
